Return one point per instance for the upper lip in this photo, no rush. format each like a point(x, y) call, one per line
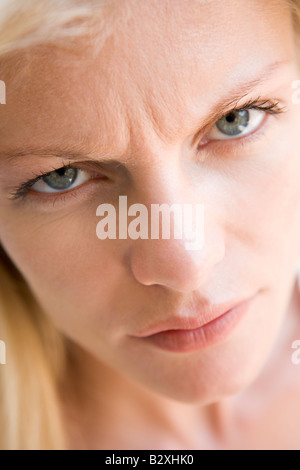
point(206, 314)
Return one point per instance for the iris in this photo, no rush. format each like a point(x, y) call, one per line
point(61, 179)
point(234, 123)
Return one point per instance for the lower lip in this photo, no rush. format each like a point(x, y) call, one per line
point(186, 341)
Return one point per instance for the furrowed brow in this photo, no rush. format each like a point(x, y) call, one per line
point(65, 155)
point(226, 104)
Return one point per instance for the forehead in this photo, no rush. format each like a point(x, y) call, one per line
point(157, 71)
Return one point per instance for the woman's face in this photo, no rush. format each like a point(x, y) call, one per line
point(142, 118)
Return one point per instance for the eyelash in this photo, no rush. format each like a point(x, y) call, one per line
point(21, 190)
point(268, 106)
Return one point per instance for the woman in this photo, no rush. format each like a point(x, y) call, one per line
point(134, 342)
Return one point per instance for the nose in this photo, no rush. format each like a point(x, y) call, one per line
point(171, 262)
point(168, 263)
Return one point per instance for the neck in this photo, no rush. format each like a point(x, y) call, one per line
point(107, 404)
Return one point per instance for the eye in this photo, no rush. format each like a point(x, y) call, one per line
point(60, 180)
point(237, 124)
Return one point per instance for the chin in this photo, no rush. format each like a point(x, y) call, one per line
point(203, 381)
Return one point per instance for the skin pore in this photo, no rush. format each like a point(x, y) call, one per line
point(140, 118)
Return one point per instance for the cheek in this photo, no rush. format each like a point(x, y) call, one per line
point(69, 269)
point(265, 206)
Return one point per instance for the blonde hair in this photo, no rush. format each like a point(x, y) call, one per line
point(30, 415)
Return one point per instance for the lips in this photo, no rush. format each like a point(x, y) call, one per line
point(209, 325)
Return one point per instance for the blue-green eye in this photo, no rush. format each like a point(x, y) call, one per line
point(237, 124)
point(60, 180)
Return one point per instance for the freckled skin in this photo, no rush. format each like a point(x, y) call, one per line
point(144, 98)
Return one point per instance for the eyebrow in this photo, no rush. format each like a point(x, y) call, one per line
point(66, 154)
point(240, 92)
point(225, 105)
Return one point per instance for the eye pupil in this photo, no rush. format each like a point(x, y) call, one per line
point(231, 117)
point(61, 171)
point(61, 179)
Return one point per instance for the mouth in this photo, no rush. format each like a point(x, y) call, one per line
point(188, 334)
